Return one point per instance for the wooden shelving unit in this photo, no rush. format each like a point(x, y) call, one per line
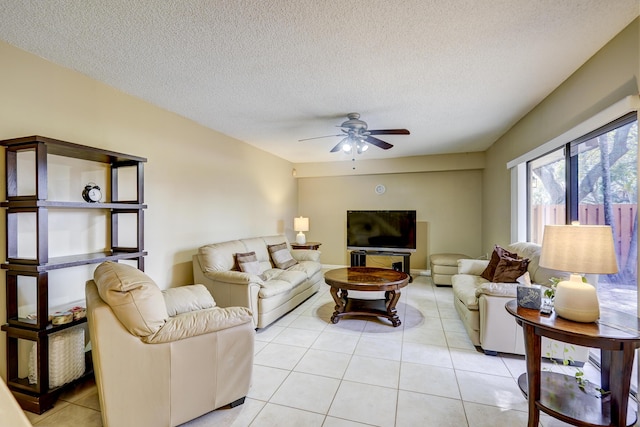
point(39, 397)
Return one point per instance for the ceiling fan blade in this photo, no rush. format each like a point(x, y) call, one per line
point(378, 143)
point(339, 146)
point(317, 137)
point(389, 132)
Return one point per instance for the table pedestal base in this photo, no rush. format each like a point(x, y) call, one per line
point(346, 306)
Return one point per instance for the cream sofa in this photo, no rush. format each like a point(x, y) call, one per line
point(268, 295)
point(481, 306)
point(162, 358)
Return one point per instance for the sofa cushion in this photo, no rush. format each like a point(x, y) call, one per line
point(472, 266)
point(509, 269)
point(281, 256)
point(309, 268)
point(292, 276)
point(274, 287)
point(134, 298)
point(258, 245)
point(248, 263)
point(220, 256)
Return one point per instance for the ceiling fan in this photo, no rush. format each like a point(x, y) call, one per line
point(357, 137)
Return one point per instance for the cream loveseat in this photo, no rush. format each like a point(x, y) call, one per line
point(266, 290)
point(162, 358)
point(481, 306)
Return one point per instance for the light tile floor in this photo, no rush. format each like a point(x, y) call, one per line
point(361, 372)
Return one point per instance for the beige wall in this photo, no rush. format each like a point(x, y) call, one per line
point(448, 206)
point(201, 186)
point(610, 75)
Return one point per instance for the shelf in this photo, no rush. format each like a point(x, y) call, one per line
point(30, 202)
point(562, 398)
point(37, 398)
point(29, 265)
point(35, 402)
point(26, 328)
point(69, 149)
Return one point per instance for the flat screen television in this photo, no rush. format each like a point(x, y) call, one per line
point(393, 231)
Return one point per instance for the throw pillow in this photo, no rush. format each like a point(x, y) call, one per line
point(509, 269)
point(498, 253)
point(280, 256)
point(248, 263)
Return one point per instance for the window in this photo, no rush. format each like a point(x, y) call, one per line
point(605, 192)
point(546, 193)
point(597, 185)
point(598, 172)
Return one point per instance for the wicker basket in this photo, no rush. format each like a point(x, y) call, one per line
point(66, 357)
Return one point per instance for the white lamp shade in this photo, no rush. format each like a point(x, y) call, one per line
point(578, 249)
point(301, 224)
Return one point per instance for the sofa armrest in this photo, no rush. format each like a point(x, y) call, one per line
point(187, 298)
point(509, 290)
point(233, 277)
point(199, 322)
point(305, 255)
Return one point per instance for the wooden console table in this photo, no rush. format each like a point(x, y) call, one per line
point(616, 334)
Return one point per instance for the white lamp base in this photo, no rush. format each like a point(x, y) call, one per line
point(301, 239)
point(576, 300)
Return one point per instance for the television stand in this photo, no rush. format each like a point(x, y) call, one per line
point(359, 259)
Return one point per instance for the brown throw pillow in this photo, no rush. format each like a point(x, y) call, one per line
point(509, 269)
point(248, 263)
point(280, 256)
point(498, 253)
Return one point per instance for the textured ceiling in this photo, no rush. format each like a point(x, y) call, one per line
point(456, 73)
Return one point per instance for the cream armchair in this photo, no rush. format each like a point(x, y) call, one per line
point(162, 358)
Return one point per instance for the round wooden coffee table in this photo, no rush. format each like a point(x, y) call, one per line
point(343, 280)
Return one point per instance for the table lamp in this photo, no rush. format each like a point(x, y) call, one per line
point(301, 224)
point(578, 249)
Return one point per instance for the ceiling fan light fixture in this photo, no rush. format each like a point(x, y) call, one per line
point(357, 136)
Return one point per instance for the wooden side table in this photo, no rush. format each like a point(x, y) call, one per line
point(616, 334)
point(309, 245)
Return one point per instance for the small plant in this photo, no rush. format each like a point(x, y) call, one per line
point(579, 375)
point(550, 291)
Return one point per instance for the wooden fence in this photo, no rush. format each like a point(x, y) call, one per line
point(624, 217)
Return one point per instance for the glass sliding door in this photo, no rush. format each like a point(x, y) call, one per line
point(546, 193)
point(606, 193)
point(596, 184)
